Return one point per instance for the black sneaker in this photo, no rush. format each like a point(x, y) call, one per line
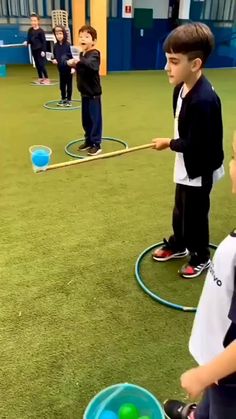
point(174, 409)
point(84, 146)
point(61, 103)
point(194, 267)
point(68, 103)
point(94, 151)
point(165, 252)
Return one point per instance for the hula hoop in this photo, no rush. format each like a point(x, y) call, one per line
point(151, 294)
point(80, 140)
point(61, 108)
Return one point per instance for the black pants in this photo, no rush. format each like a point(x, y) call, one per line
point(218, 402)
point(190, 219)
point(92, 120)
point(40, 63)
point(66, 85)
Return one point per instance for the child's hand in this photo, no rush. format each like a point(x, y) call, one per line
point(72, 62)
point(194, 382)
point(161, 143)
point(43, 54)
point(54, 61)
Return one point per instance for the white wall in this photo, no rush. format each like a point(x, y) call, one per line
point(160, 7)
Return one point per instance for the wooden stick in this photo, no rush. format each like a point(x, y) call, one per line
point(101, 156)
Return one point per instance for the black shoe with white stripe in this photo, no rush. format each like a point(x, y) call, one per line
point(194, 267)
point(174, 409)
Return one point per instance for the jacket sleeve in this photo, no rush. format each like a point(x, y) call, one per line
point(92, 61)
point(199, 132)
point(54, 53)
point(43, 39)
point(29, 37)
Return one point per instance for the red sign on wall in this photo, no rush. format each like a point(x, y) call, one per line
point(128, 9)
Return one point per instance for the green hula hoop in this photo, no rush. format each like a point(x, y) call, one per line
point(80, 140)
point(151, 294)
point(62, 108)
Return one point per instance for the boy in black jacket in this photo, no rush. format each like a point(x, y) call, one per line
point(61, 54)
point(88, 82)
point(197, 143)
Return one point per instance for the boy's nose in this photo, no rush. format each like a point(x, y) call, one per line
point(167, 66)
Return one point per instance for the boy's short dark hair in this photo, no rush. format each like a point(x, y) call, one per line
point(192, 39)
point(35, 15)
point(90, 30)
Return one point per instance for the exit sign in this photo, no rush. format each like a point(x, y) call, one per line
point(128, 10)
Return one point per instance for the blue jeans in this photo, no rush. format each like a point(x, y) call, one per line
point(92, 120)
point(218, 402)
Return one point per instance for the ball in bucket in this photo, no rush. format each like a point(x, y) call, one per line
point(128, 411)
point(115, 398)
point(108, 414)
point(40, 157)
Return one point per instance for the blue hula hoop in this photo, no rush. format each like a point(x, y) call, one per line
point(151, 294)
point(78, 156)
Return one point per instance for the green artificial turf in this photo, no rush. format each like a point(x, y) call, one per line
point(72, 318)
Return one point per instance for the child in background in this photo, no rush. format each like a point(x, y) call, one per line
point(37, 40)
point(213, 338)
point(88, 82)
point(61, 54)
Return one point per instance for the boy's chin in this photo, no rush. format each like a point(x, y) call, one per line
point(172, 81)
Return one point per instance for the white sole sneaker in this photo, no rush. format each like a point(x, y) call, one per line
point(95, 154)
point(178, 255)
point(199, 269)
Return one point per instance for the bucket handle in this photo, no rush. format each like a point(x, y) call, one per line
point(108, 399)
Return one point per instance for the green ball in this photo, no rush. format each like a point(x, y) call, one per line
point(128, 411)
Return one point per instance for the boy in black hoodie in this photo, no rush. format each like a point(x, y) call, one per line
point(62, 53)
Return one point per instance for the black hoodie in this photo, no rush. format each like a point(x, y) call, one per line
point(62, 52)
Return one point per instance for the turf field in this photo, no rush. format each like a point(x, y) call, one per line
point(72, 318)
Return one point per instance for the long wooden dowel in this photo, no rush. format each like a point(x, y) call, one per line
point(101, 156)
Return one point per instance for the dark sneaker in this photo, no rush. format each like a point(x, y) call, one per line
point(61, 103)
point(175, 409)
point(193, 268)
point(94, 151)
point(68, 103)
point(164, 253)
point(84, 146)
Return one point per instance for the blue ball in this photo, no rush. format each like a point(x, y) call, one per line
point(108, 414)
point(40, 158)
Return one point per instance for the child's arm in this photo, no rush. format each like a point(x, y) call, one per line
point(194, 381)
point(44, 43)
point(91, 60)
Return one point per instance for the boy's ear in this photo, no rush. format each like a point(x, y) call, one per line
point(196, 64)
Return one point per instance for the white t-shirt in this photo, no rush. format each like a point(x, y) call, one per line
point(217, 305)
point(180, 173)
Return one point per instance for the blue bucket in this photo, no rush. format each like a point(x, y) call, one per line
point(40, 157)
point(112, 398)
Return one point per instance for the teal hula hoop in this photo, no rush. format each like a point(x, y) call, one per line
point(151, 294)
point(61, 108)
point(80, 140)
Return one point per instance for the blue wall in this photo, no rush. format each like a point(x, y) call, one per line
point(10, 34)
